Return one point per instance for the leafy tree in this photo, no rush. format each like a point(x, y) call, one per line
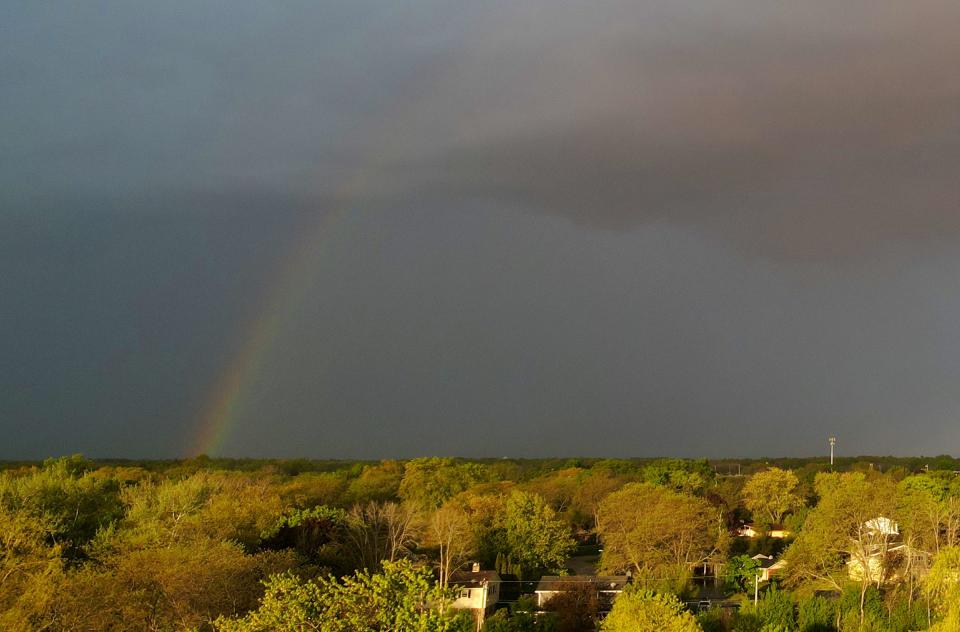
point(594, 486)
point(943, 586)
point(904, 614)
point(533, 535)
point(864, 612)
point(727, 494)
point(30, 568)
point(795, 520)
point(929, 518)
point(311, 489)
point(65, 497)
point(576, 608)
point(167, 512)
point(181, 586)
point(717, 619)
point(429, 482)
point(449, 529)
point(838, 529)
point(741, 571)
point(377, 482)
point(929, 511)
point(646, 611)
point(816, 614)
point(691, 477)
point(75, 465)
point(402, 597)
point(206, 505)
point(557, 488)
point(656, 532)
point(771, 494)
point(485, 505)
point(123, 475)
point(776, 610)
point(318, 534)
point(91, 598)
point(522, 619)
point(240, 510)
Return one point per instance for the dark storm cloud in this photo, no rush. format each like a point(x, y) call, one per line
point(794, 129)
point(531, 254)
point(108, 100)
point(802, 129)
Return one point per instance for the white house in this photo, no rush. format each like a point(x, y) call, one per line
point(752, 531)
point(874, 558)
point(882, 526)
point(478, 590)
point(607, 587)
point(768, 567)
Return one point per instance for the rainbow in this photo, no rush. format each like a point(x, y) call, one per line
point(298, 273)
point(222, 408)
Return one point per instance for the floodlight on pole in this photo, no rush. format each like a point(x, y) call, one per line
point(833, 442)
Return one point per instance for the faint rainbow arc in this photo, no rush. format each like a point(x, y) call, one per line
point(298, 272)
point(294, 279)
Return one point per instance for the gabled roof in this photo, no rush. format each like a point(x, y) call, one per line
point(882, 525)
point(756, 527)
point(767, 561)
point(555, 583)
point(469, 579)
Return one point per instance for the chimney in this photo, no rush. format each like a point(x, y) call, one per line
point(475, 568)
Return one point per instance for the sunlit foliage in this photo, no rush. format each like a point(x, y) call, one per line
point(402, 597)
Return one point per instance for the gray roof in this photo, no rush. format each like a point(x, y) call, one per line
point(765, 561)
point(556, 583)
point(470, 579)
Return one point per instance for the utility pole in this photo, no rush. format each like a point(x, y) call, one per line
point(756, 588)
point(833, 442)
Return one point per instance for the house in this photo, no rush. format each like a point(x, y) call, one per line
point(477, 590)
point(875, 554)
point(607, 586)
point(753, 531)
point(880, 562)
point(768, 566)
point(874, 568)
point(882, 526)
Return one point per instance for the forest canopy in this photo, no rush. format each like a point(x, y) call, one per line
point(236, 545)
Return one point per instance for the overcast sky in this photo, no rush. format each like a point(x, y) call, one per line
point(480, 228)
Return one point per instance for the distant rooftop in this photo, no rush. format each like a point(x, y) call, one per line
point(473, 579)
point(553, 583)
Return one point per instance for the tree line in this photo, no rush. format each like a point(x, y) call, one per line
point(238, 546)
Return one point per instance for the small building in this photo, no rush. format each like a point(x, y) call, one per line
point(877, 554)
point(753, 531)
point(477, 590)
point(882, 526)
point(769, 567)
point(874, 569)
point(880, 562)
point(607, 586)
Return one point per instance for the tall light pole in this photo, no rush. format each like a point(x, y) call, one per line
point(833, 442)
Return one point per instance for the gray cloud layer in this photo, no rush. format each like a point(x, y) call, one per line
point(796, 130)
point(571, 227)
point(805, 128)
